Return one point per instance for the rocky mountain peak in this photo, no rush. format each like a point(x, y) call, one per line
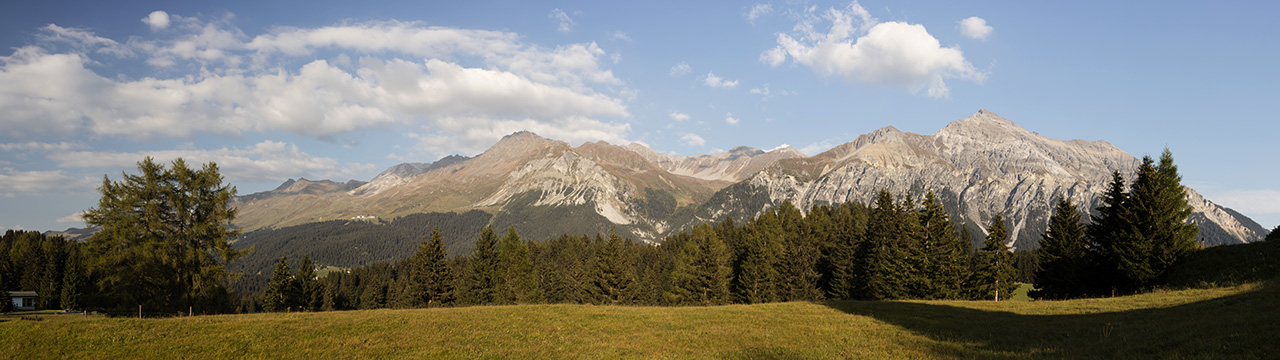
point(521, 143)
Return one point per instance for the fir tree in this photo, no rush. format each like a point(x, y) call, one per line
point(1066, 269)
point(1274, 235)
point(800, 261)
point(994, 277)
point(850, 225)
point(701, 274)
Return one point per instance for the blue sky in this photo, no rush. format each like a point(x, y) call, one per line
point(342, 90)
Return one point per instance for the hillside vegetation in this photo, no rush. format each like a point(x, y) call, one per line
point(1229, 322)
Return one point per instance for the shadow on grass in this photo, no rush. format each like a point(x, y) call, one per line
point(1243, 325)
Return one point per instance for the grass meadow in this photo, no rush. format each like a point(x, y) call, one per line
point(1240, 321)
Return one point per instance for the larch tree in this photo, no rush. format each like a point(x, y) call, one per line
point(164, 237)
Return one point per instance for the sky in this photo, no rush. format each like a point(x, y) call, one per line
point(340, 90)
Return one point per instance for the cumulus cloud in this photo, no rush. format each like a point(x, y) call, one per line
point(680, 69)
point(398, 73)
point(565, 23)
point(678, 116)
point(849, 43)
point(693, 140)
point(264, 161)
point(157, 20)
point(975, 27)
point(718, 82)
point(757, 11)
point(729, 119)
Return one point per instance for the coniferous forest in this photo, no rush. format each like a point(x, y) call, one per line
point(163, 246)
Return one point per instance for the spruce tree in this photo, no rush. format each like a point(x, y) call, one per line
point(1102, 231)
point(481, 279)
point(1066, 269)
point(73, 279)
point(887, 267)
point(1274, 235)
point(850, 225)
point(308, 287)
point(281, 292)
point(1156, 233)
point(515, 283)
point(946, 254)
point(611, 280)
point(800, 261)
point(994, 277)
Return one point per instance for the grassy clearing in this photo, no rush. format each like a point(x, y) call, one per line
point(1227, 322)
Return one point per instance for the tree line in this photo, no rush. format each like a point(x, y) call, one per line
point(163, 246)
point(894, 249)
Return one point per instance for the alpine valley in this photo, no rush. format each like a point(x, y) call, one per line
point(979, 166)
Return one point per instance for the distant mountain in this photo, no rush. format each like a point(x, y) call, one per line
point(980, 166)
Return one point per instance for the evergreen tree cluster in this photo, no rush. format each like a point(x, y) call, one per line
point(52, 266)
point(1130, 243)
point(894, 249)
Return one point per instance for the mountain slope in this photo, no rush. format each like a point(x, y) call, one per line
point(978, 166)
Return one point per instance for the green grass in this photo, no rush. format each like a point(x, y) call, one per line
point(1226, 322)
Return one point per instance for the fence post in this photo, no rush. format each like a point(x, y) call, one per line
point(139, 311)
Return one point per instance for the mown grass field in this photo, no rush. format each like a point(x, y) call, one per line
point(1227, 322)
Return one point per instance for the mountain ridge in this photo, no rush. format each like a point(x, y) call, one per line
point(981, 165)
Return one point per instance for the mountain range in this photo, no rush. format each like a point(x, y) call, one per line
point(979, 166)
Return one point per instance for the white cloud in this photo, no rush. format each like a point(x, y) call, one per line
point(619, 36)
point(766, 92)
point(565, 22)
point(860, 48)
point(680, 69)
point(975, 27)
point(73, 218)
point(718, 82)
point(157, 20)
point(757, 11)
point(398, 73)
point(36, 146)
point(678, 116)
point(693, 140)
point(267, 161)
point(1260, 201)
point(14, 182)
point(728, 119)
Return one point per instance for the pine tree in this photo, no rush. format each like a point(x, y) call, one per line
point(1274, 235)
point(994, 277)
point(1067, 269)
point(281, 293)
point(947, 254)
